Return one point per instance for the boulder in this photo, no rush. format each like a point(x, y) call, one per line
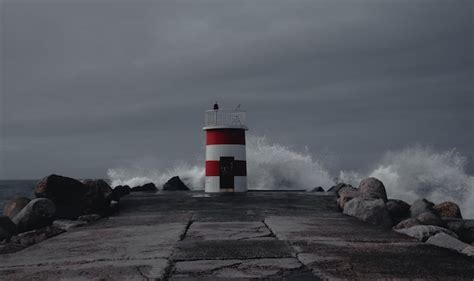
point(74, 198)
point(429, 218)
point(14, 206)
point(448, 210)
point(175, 183)
point(35, 236)
point(345, 189)
point(38, 213)
point(447, 241)
point(407, 223)
point(423, 232)
point(421, 206)
point(346, 194)
point(149, 187)
point(66, 225)
point(455, 225)
point(337, 187)
point(317, 189)
point(467, 233)
point(373, 188)
point(120, 191)
point(97, 198)
point(7, 228)
point(66, 193)
point(369, 210)
point(463, 228)
point(398, 210)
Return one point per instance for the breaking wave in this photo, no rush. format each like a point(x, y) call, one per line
point(408, 174)
point(270, 166)
point(421, 172)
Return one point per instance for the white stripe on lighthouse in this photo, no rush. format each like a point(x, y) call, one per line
point(212, 184)
point(214, 152)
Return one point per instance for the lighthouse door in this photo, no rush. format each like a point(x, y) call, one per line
point(226, 177)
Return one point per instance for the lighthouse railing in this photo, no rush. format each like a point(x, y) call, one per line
point(225, 118)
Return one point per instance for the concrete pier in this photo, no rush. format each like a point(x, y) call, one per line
point(197, 236)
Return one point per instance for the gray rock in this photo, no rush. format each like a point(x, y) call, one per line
point(68, 224)
point(370, 210)
point(467, 234)
point(338, 186)
point(398, 210)
point(120, 191)
point(38, 213)
point(448, 210)
point(149, 187)
point(345, 194)
point(89, 218)
point(421, 206)
point(66, 193)
point(468, 251)
point(7, 228)
point(29, 238)
point(456, 225)
point(407, 223)
point(373, 188)
point(463, 228)
point(447, 241)
point(14, 206)
point(97, 198)
point(317, 189)
point(345, 189)
point(175, 183)
point(429, 218)
point(423, 232)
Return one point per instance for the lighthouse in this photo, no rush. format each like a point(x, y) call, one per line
point(226, 165)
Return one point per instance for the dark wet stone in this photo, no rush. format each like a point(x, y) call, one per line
point(149, 187)
point(175, 184)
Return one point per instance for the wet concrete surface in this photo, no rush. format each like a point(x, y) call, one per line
point(257, 235)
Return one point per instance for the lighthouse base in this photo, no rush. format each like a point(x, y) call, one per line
point(213, 184)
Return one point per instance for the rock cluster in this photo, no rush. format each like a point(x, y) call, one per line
point(440, 224)
point(61, 204)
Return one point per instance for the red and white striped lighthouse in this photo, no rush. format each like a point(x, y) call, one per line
point(226, 166)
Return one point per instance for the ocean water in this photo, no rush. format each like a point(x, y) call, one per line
point(15, 188)
point(410, 173)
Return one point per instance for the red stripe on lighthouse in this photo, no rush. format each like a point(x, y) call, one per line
point(225, 136)
point(213, 168)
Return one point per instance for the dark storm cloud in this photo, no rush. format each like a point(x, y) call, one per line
point(88, 85)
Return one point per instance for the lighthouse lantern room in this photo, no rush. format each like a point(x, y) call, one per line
point(226, 166)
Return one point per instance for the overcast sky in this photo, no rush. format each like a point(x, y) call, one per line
point(92, 85)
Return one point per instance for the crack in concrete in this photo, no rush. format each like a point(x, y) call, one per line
point(141, 273)
point(169, 269)
point(253, 233)
point(272, 234)
point(233, 265)
point(183, 235)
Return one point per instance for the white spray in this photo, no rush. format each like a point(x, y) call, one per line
point(408, 174)
point(420, 172)
point(270, 166)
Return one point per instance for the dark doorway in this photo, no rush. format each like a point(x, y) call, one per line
point(226, 178)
